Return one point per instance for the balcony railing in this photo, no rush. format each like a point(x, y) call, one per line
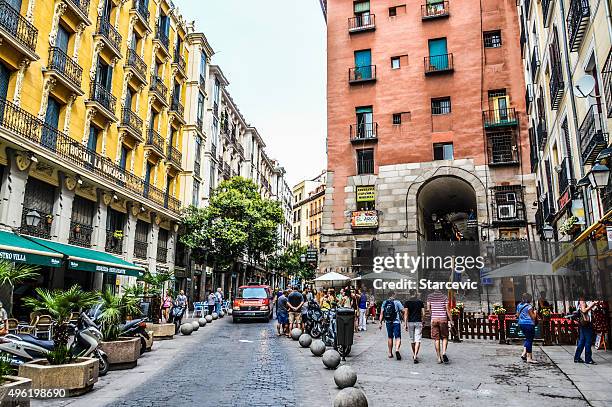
point(500, 117)
point(174, 156)
point(140, 249)
point(131, 120)
point(365, 166)
point(362, 74)
point(177, 107)
point(65, 66)
point(592, 137)
point(156, 141)
point(29, 127)
point(180, 62)
point(43, 229)
point(363, 132)
point(107, 31)
point(577, 20)
point(545, 8)
point(542, 133)
point(82, 5)
point(434, 10)
point(213, 150)
point(141, 8)
point(362, 23)
point(534, 64)
point(534, 151)
point(508, 207)
point(113, 244)
point(162, 37)
point(16, 25)
point(80, 235)
point(564, 175)
point(557, 86)
point(528, 96)
point(162, 254)
point(197, 168)
point(548, 209)
point(103, 96)
point(502, 147)
point(511, 247)
point(136, 63)
point(438, 64)
point(157, 86)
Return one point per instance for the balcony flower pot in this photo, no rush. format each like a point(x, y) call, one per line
point(161, 331)
point(77, 229)
point(76, 378)
point(122, 353)
point(49, 219)
point(14, 383)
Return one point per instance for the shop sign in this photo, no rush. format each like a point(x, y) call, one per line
point(366, 194)
point(364, 219)
point(29, 258)
point(565, 199)
point(311, 255)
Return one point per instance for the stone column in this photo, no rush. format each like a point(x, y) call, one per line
point(153, 237)
point(130, 232)
point(12, 193)
point(98, 236)
point(60, 228)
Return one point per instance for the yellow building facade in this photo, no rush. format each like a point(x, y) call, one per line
point(92, 96)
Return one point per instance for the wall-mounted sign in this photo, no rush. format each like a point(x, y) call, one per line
point(366, 194)
point(364, 219)
point(565, 199)
point(312, 255)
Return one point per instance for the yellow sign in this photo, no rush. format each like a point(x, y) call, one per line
point(366, 194)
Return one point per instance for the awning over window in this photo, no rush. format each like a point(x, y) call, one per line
point(80, 258)
point(18, 249)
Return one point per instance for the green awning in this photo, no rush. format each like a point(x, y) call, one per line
point(80, 258)
point(18, 249)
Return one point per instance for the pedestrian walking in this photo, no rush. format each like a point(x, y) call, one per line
point(363, 307)
point(372, 306)
point(526, 315)
point(295, 301)
point(585, 329)
point(282, 315)
point(391, 312)
point(218, 300)
point(211, 302)
point(166, 305)
point(183, 303)
point(413, 321)
point(437, 305)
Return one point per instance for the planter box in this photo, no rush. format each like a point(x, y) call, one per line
point(149, 341)
point(77, 378)
point(122, 353)
point(15, 383)
point(161, 331)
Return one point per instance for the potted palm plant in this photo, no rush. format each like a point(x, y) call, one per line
point(122, 352)
point(154, 287)
point(62, 369)
point(12, 388)
point(12, 274)
point(137, 292)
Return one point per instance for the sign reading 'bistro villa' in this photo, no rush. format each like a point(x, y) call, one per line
point(30, 258)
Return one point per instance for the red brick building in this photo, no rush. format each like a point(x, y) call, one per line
point(426, 121)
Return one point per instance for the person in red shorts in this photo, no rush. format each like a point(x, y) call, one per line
point(437, 305)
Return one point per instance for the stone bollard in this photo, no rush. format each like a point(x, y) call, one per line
point(296, 333)
point(331, 359)
point(195, 325)
point(345, 376)
point(209, 318)
point(215, 315)
point(202, 322)
point(221, 314)
point(186, 328)
point(317, 347)
point(230, 311)
point(351, 397)
point(305, 340)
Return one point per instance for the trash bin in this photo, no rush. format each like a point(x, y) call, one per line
point(345, 323)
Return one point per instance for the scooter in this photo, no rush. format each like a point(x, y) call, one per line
point(83, 342)
point(176, 316)
point(133, 328)
point(328, 331)
point(314, 320)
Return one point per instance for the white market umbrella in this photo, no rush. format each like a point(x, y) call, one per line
point(332, 276)
point(527, 267)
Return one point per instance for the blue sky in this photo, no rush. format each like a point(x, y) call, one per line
point(273, 54)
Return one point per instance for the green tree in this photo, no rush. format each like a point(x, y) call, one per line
point(290, 261)
point(115, 310)
point(12, 274)
point(236, 222)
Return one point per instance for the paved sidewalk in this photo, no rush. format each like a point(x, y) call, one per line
point(480, 374)
point(594, 382)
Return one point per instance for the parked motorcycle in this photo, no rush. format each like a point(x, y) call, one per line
point(132, 329)
point(176, 316)
point(83, 342)
point(328, 331)
point(313, 323)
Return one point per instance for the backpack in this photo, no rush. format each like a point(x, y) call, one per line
point(389, 311)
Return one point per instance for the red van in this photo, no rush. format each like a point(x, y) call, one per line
point(253, 302)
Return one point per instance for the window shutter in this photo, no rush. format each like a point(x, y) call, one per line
point(362, 6)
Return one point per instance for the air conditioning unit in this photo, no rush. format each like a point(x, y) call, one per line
point(506, 211)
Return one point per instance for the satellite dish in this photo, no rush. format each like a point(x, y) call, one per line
point(585, 86)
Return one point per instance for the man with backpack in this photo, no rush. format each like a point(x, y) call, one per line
point(391, 312)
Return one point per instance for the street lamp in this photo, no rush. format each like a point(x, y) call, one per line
point(303, 258)
point(32, 218)
point(548, 232)
point(599, 176)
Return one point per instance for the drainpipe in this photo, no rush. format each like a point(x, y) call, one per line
point(573, 104)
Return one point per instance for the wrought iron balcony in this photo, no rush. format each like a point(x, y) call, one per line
point(507, 205)
point(17, 29)
point(592, 137)
point(137, 64)
point(158, 88)
point(361, 132)
point(577, 20)
point(43, 229)
point(162, 254)
point(534, 64)
point(548, 209)
point(155, 141)
point(438, 64)
point(174, 156)
point(213, 150)
point(80, 235)
point(511, 248)
point(502, 147)
point(197, 168)
point(109, 34)
point(534, 151)
point(434, 10)
point(81, 7)
point(180, 63)
point(163, 38)
point(102, 96)
point(203, 83)
point(362, 23)
point(545, 9)
point(360, 74)
point(215, 109)
point(177, 108)
point(500, 118)
point(140, 249)
point(113, 244)
point(564, 176)
point(65, 66)
point(132, 121)
point(542, 133)
point(141, 8)
point(557, 86)
point(528, 96)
